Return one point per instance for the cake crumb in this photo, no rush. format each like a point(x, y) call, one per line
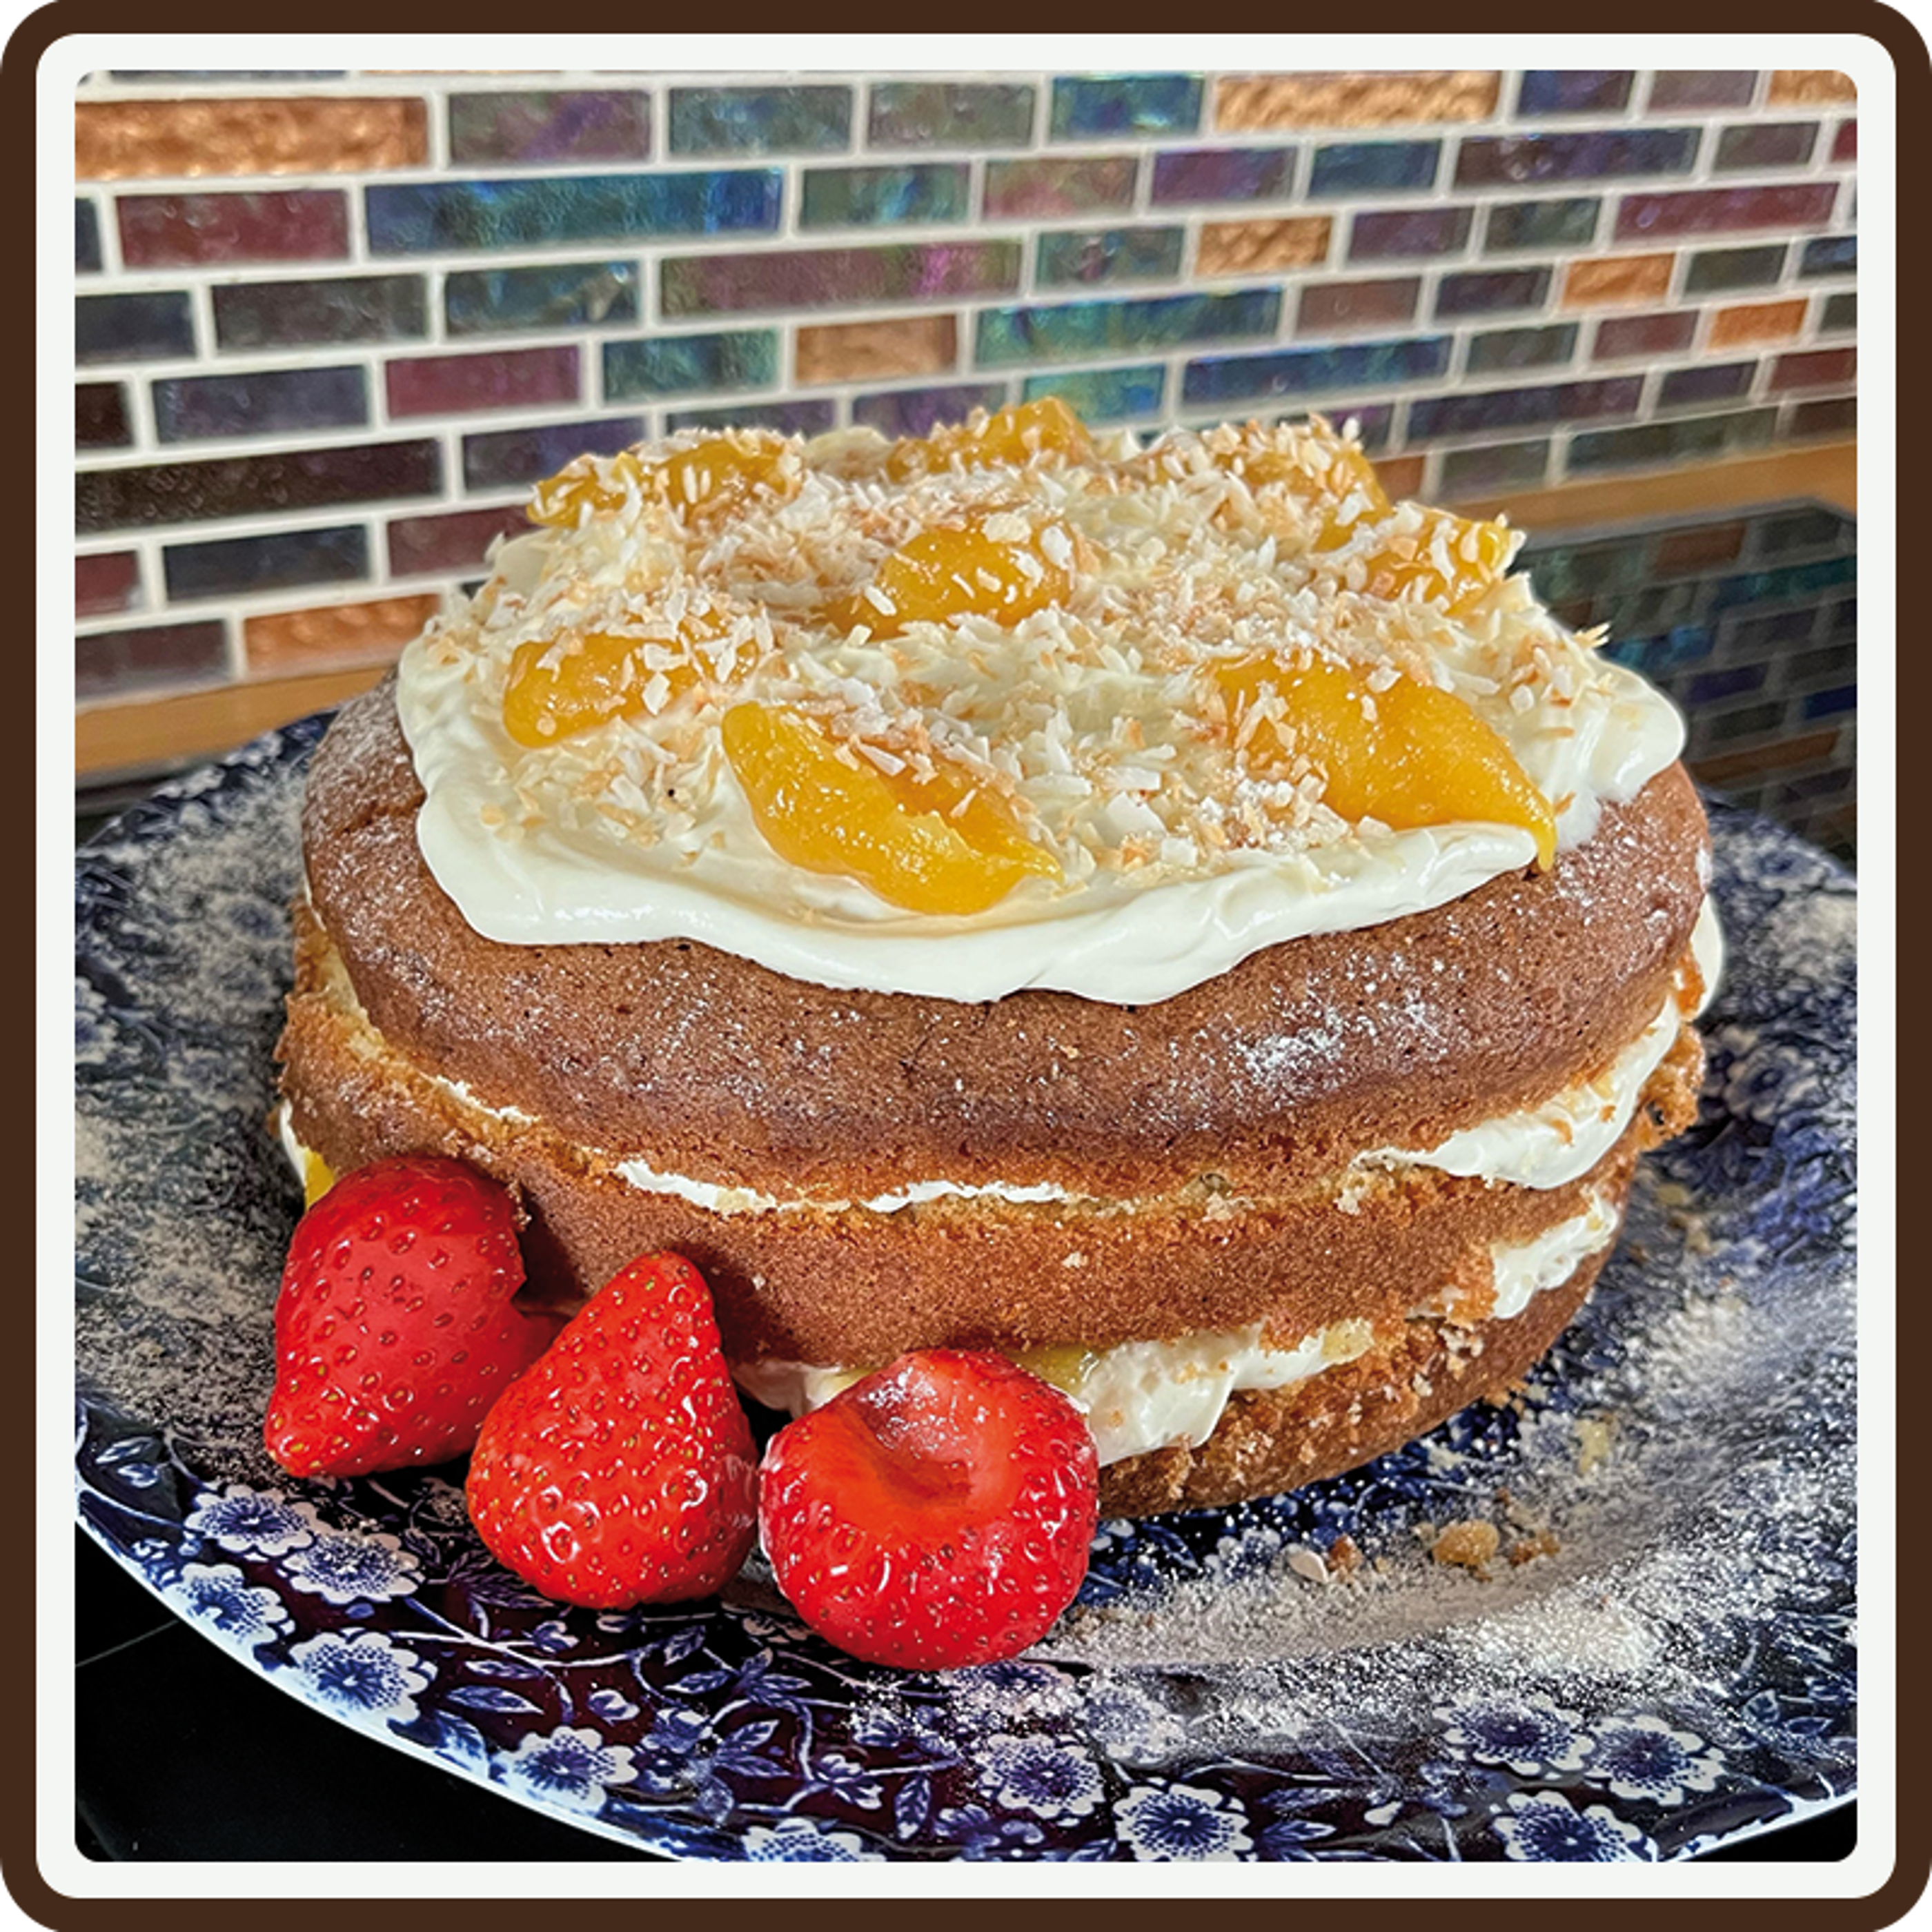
point(1468, 1544)
point(1345, 1558)
point(1527, 1549)
point(1307, 1565)
point(1593, 1442)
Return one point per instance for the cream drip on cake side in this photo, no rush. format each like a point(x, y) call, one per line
point(1091, 726)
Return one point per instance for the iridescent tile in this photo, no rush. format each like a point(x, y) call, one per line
point(1712, 687)
point(457, 540)
point(1622, 336)
point(1089, 105)
point(500, 458)
point(1489, 291)
point(802, 416)
point(1050, 185)
point(1707, 210)
point(854, 197)
point(511, 379)
point(132, 327)
point(1307, 372)
point(281, 643)
point(1379, 237)
point(115, 662)
point(235, 136)
point(950, 114)
point(1673, 88)
point(1681, 439)
point(296, 225)
point(1830, 255)
point(514, 128)
point(1070, 331)
point(1713, 271)
point(1693, 549)
point(109, 664)
point(1705, 382)
point(101, 416)
point(1814, 369)
point(1839, 312)
point(1504, 349)
point(524, 211)
point(1244, 102)
point(897, 412)
point(1765, 144)
point(1374, 167)
point(555, 295)
point(1191, 176)
point(107, 582)
point(193, 409)
point(1370, 423)
point(234, 566)
point(1102, 395)
point(676, 365)
point(86, 236)
point(1468, 412)
point(759, 120)
point(1831, 704)
point(842, 277)
point(1618, 278)
point(1787, 535)
point(1333, 308)
point(1805, 86)
point(348, 308)
point(919, 344)
point(1488, 467)
point(236, 486)
point(1065, 255)
point(1262, 247)
point(1756, 322)
point(1513, 225)
point(1600, 153)
point(1572, 90)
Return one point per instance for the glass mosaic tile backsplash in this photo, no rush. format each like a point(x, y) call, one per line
point(330, 326)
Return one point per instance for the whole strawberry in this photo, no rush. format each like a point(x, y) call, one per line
point(396, 1328)
point(620, 1469)
point(936, 1514)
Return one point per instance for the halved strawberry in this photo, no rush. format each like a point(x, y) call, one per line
point(938, 1514)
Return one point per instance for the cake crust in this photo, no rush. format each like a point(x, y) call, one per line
point(1273, 1075)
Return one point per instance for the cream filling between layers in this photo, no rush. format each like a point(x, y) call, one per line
point(1144, 1396)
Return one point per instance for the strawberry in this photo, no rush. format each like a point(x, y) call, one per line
point(620, 1470)
point(938, 1514)
point(397, 1328)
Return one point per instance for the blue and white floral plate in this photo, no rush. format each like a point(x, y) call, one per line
point(1671, 1664)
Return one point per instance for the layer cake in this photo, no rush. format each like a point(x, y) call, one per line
point(1169, 915)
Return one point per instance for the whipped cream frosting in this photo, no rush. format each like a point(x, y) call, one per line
point(1088, 729)
point(1144, 1395)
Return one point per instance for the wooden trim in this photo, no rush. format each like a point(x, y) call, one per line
point(1826, 471)
point(147, 733)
